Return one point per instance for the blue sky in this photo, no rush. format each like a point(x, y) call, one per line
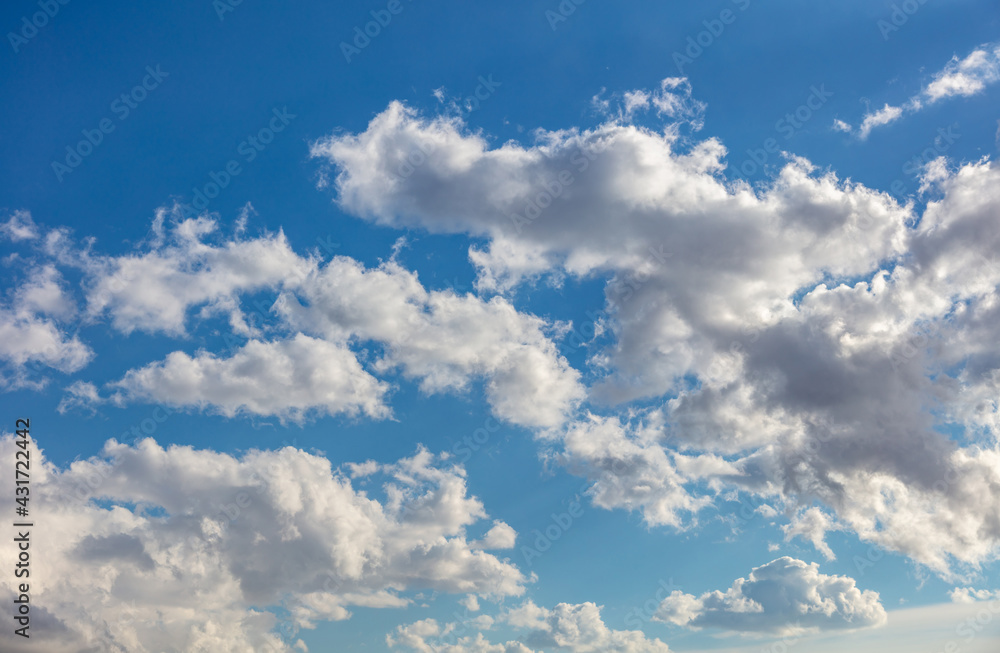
point(707, 290)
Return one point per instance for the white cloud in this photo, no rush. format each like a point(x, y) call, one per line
point(972, 595)
point(968, 76)
point(937, 628)
point(842, 126)
point(566, 627)
point(33, 330)
point(630, 469)
point(884, 116)
point(153, 291)
point(19, 227)
point(673, 100)
point(442, 339)
point(959, 78)
point(786, 596)
point(798, 341)
point(290, 379)
point(80, 395)
point(188, 547)
point(501, 536)
point(812, 524)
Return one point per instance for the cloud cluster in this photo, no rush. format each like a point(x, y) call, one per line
point(149, 549)
point(972, 595)
point(575, 628)
point(785, 596)
point(802, 340)
point(295, 356)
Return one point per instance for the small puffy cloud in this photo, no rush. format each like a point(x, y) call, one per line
point(883, 116)
point(580, 629)
point(19, 226)
point(152, 549)
point(968, 76)
point(783, 596)
point(80, 395)
point(33, 329)
point(841, 126)
point(501, 536)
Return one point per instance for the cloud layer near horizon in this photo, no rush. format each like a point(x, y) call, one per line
point(147, 549)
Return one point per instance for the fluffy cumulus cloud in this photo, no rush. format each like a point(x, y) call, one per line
point(149, 549)
point(294, 356)
point(801, 340)
point(154, 290)
point(290, 379)
point(968, 76)
point(786, 596)
point(440, 338)
point(959, 78)
point(35, 320)
point(566, 627)
point(629, 467)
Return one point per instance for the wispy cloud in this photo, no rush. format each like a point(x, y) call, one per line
point(959, 78)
